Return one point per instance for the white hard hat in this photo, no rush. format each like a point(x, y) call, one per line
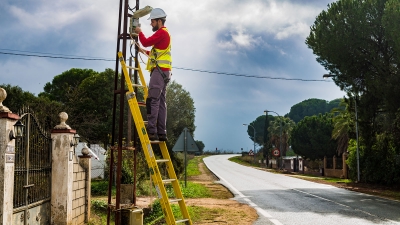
point(157, 13)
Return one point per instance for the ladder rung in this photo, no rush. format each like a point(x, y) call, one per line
point(131, 67)
point(137, 85)
point(142, 103)
point(182, 221)
point(155, 142)
point(168, 181)
point(162, 160)
point(175, 200)
point(146, 122)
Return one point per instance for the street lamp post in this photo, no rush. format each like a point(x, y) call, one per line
point(356, 112)
point(254, 141)
point(280, 135)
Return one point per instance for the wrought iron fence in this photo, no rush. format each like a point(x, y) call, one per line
point(32, 176)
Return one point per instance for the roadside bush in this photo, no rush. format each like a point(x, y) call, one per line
point(99, 205)
point(99, 187)
point(376, 166)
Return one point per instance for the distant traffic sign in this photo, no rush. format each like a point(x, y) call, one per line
point(276, 152)
point(251, 152)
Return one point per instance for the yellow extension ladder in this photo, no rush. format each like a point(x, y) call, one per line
point(152, 162)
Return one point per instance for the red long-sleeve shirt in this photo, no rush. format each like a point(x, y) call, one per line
point(160, 39)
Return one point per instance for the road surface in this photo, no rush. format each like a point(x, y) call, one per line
point(281, 199)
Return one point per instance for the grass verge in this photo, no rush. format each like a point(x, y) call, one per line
point(197, 213)
point(193, 168)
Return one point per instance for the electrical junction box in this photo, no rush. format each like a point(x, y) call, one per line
point(132, 216)
point(134, 22)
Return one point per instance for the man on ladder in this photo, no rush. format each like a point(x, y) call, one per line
point(159, 64)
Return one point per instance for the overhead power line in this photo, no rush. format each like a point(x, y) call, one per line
point(56, 57)
point(245, 75)
point(72, 57)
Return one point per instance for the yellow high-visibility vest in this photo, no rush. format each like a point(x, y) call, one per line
point(162, 57)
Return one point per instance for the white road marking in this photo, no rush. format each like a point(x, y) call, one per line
point(276, 222)
point(258, 209)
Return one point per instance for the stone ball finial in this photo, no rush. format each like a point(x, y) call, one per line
point(85, 151)
point(3, 96)
point(63, 117)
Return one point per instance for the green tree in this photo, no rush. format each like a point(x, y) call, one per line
point(390, 21)
point(311, 137)
point(275, 132)
point(16, 97)
point(259, 125)
point(343, 122)
point(45, 110)
point(311, 107)
point(92, 104)
point(358, 42)
point(63, 83)
point(200, 145)
point(180, 112)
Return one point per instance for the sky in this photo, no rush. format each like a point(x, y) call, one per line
point(261, 38)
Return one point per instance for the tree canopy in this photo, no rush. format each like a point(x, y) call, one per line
point(16, 97)
point(311, 107)
point(358, 42)
point(66, 82)
point(278, 139)
point(180, 112)
point(259, 126)
point(311, 137)
point(200, 145)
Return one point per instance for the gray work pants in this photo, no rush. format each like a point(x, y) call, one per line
point(156, 105)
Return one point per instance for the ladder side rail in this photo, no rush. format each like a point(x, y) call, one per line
point(142, 81)
point(175, 184)
point(128, 81)
point(150, 158)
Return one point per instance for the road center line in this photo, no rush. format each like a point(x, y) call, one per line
point(338, 203)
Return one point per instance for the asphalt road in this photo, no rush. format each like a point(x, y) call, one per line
point(281, 199)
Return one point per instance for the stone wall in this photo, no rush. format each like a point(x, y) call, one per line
point(79, 194)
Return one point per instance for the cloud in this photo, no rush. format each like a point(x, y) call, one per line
point(241, 39)
point(253, 37)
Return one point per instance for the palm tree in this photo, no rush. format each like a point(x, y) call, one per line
point(342, 122)
point(274, 130)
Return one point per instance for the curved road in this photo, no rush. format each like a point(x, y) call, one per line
point(281, 199)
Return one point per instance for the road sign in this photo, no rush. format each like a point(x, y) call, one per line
point(251, 152)
point(185, 141)
point(276, 152)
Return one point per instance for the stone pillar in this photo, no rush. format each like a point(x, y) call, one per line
point(325, 162)
point(62, 172)
point(345, 169)
point(85, 162)
point(334, 162)
point(7, 159)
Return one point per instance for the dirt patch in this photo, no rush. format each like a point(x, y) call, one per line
point(231, 211)
point(228, 211)
point(224, 209)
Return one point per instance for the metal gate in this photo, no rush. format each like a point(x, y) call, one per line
point(32, 176)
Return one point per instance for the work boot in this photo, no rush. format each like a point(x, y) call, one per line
point(153, 137)
point(162, 137)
